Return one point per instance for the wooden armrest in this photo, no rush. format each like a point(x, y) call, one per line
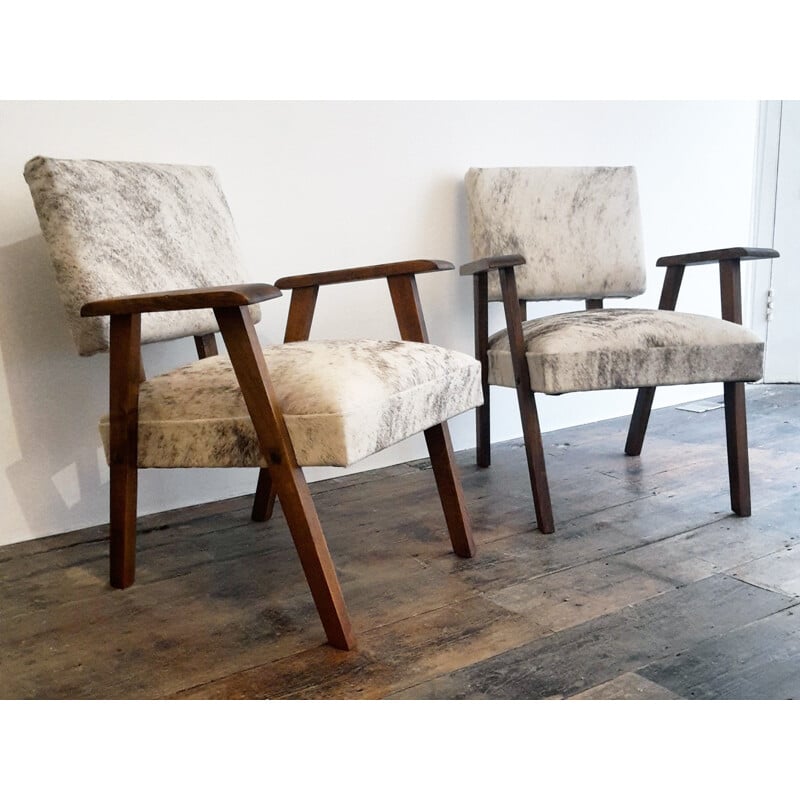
point(362, 273)
point(492, 262)
point(712, 256)
point(183, 299)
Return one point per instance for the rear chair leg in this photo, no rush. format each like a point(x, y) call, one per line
point(738, 459)
point(644, 398)
point(264, 501)
point(483, 455)
point(639, 420)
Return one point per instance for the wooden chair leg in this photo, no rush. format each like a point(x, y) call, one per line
point(639, 420)
point(315, 558)
point(264, 501)
point(123, 525)
point(531, 430)
point(644, 398)
point(483, 454)
point(440, 449)
point(534, 451)
point(124, 378)
point(738, 459)
point(298, 507)
point(483, 439)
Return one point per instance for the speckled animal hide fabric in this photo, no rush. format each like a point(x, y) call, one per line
point(628, 348)
point(578, 228)
point(341, 401)
point(117, 228)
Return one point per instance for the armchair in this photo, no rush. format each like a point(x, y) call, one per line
point(123, 237)
point(552, 233)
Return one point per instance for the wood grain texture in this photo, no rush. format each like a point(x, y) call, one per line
point(651, 589)
point(754, 662)
point(601, 649)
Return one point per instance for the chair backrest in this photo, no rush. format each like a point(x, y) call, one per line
point(118, 228)
point(579, 229)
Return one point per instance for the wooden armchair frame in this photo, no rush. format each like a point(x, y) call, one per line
point(283, 477)
point(729, 261)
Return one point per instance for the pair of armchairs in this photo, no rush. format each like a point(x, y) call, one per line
point(123, 236)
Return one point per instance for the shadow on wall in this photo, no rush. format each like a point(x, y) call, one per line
point(47, 382)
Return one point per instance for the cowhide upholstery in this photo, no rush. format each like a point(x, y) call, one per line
point(341, 400)
point(117, 228)
point(579, 229)
point(628, 348)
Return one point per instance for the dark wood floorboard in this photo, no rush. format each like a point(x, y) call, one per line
point(649, 589)
point(758, 661)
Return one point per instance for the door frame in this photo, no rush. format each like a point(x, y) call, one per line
point(765, 193)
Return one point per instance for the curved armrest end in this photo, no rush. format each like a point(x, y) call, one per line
point(490, 263)
point(713, 256)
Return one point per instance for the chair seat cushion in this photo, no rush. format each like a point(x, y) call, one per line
point(341, 401)
point(627, 349)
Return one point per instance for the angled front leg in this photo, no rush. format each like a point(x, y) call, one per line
point(124, 377)
point(298, 329)
point(298, 507)
point(531, 431)
point(408, 310)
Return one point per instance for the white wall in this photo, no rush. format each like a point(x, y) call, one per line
point(321, 186)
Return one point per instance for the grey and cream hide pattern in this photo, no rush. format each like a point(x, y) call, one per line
point(628, 348)
point(341, 401)
point(578, 228)
point(118, 228)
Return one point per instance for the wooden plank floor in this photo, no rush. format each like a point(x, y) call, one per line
point(650, 587)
